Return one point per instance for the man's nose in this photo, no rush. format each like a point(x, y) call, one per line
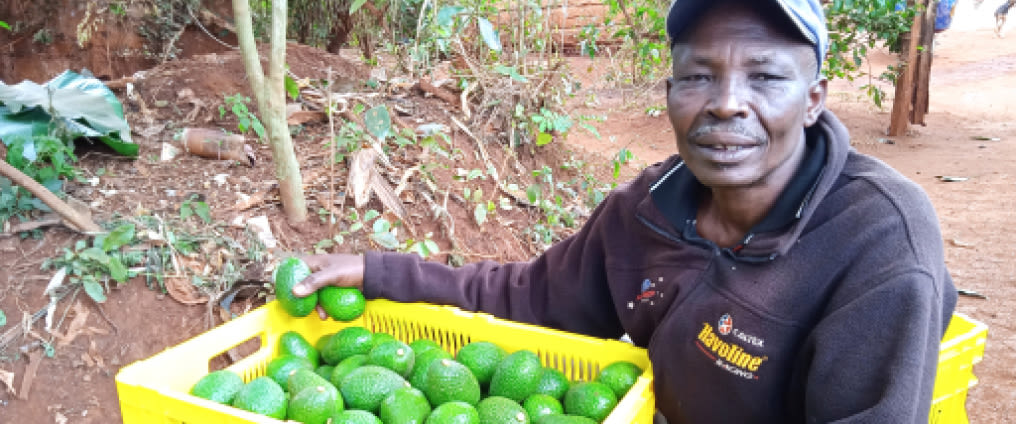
point(729, 100)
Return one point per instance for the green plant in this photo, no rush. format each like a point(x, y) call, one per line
point(425, 248)
point(118, 9)
point(549, 196)
point(237, 104)
point(5, 26)
point(91, 267)
point(857, 26)
point(46, 159)
point(642, 28)
point(623, 157)
point(547, 123)
point(589, 34)
point(193, 205)
point(43, 36)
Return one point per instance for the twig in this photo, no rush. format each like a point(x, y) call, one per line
point(416, 42)
point(30, 225)
point(465, 99)
point(331, 158)
point(102, 312)
point(59, 206)
point(479, 145)
point(11, 333)
point(169, 46)
point(441, 93)
point(225, 24)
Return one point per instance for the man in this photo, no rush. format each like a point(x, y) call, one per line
point(774, 274)
point(1000, 15)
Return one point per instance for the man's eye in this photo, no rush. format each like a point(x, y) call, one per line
point(762, 76)
point(694, 78)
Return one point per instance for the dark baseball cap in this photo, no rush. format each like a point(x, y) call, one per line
point(806, 15)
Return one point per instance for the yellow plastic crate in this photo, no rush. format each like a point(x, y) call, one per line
point(962, 348)
point(155, 390)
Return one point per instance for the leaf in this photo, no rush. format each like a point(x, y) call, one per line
point(291, 87)
point(510, 71)
point(258, 128)
point(3, 318)
point(533, 193)
point(120, 236)
point(186, 211)
point(357, 4)
point(480, 214)
point(117, 270)
point(378, 121)
point(386, 240)
point(544, 139)
point(94, 290)
point(445, 15)
point(371, 214)
point(95, 254)
point(7, 27)
point(489, 34)
point(382, 225)
point(202, 211)
point(431, 247)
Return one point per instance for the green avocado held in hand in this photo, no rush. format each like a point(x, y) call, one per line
point(287, 274)
point(341, 303)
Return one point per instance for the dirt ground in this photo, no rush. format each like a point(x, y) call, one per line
point(967, 135)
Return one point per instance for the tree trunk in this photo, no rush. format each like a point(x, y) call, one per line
point(923, 84)
point(272, 102)
point(911, 101)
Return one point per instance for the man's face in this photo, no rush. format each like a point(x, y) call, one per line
point(741, 96)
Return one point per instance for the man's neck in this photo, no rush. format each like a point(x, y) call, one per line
point(726, 215)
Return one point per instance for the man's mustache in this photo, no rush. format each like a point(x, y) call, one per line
point(738, 129)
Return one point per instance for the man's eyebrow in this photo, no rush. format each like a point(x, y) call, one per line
point(756, 60)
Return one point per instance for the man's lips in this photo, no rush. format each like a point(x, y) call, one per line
point(725, 148)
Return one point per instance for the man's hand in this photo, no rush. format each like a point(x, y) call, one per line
point(339, 269)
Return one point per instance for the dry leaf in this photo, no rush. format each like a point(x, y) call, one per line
point(7, 378)
point(387, 195)
point(959, 243)
point(361, 170)
point(77, 325)
point(181, 290)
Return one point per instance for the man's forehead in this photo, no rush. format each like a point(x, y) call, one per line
point(744, 53)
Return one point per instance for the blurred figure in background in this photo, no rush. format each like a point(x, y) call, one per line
point(1000, 15)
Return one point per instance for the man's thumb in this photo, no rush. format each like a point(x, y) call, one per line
point(304, 288)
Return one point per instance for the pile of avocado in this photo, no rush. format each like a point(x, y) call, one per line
point(357, 376)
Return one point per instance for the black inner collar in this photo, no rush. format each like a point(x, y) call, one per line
point(672, 195)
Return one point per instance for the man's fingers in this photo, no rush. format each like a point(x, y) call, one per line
point(309, 285)
point(315, 262)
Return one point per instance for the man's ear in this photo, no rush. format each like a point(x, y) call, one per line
point(816, 101)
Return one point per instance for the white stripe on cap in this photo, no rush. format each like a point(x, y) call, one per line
point(801, 27)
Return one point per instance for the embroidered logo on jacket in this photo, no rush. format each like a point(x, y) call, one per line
point(725, 324)
point(730, 355)
point(648, 294)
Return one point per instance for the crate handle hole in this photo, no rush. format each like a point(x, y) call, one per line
point(235, 354)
